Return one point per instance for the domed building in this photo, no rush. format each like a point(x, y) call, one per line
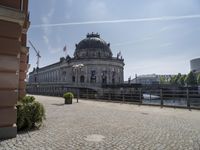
point(92, 66)
point(93, 47)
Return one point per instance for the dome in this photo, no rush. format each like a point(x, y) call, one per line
point(93, 47)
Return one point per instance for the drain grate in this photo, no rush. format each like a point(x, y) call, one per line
point(94, 138)
point(144, 113)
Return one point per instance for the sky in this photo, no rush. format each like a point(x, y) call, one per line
point(154, 36)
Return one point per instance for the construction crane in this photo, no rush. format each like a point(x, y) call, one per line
point(37, 54)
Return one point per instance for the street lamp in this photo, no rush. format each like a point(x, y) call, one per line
point(76, 68)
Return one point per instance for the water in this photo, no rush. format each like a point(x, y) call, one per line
point(169, 102)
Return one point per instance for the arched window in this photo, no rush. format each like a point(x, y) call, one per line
point(82, 79)
point(113, 80)
point(113, 77)
point(64, 73)
point(99, 54)
point(104, 77)
point(73, 78)
point(93, 76)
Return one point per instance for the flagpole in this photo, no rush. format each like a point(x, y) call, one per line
point(65, 50)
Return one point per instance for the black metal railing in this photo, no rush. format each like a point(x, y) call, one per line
point(187, 98)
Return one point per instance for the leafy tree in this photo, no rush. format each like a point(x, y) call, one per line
point(30, 113)
point(181, 80)
point(198, 79)
point(172, 80)
point(177, 78)
point(191, 79)
point(162, 80)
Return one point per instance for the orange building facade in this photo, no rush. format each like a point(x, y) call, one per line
point(14, 23)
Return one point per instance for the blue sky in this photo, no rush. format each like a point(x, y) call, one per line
point(154, 36)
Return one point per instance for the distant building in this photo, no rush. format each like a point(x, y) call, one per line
point(92, 66)
point(14, 23)
point(150, 79)
point(146, 79)
point(195, 65)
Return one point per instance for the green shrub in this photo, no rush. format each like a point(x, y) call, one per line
point(30, 113)
point(68, 97)
point(27, 99)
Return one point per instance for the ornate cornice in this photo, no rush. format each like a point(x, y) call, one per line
point(12, 15)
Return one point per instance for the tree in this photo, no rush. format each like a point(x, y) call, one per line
point(163, 80)
point(191, 79)
point(181, 80)
point(198, 79)
point(177, 78)
point(172, 80)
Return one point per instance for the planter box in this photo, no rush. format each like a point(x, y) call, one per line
point(68, 101)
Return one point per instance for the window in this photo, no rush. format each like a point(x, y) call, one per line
point(113, 80)
point(99, 54)
point(64, 73)
point(104, 80)
point(82, 79)
point(35, 79)
point(93, 76)
point(104, 77)
point(73, 78)
point(113, 77)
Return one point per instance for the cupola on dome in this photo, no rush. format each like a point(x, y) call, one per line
point(92, 47)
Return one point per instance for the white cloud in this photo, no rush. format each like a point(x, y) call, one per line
point(69, 2)
point(67, 16)
point(68, 5)
point(46, 40)
point(166, 28)
point(96, 10)
point(163, 65)
point(47, 32)
point(165, 44)
point(165, 18)
point(54, 50)
point(147, 38)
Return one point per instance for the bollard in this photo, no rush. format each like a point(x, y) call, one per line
point(188, 99)
point(150, 95)
point(109, 96)
point(161, 98)
point(123, 97)
point(87, 94)
point(77, 95)
point(140, 96)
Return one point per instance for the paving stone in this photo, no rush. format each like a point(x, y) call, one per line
point(121, 126)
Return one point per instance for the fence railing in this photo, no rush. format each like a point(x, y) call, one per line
point(177, 98)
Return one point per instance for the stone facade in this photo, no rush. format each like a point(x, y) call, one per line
point(14, 23)
point(98, 66)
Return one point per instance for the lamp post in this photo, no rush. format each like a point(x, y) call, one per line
point(76, 68)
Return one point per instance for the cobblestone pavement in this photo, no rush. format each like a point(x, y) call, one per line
point(91, 125)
